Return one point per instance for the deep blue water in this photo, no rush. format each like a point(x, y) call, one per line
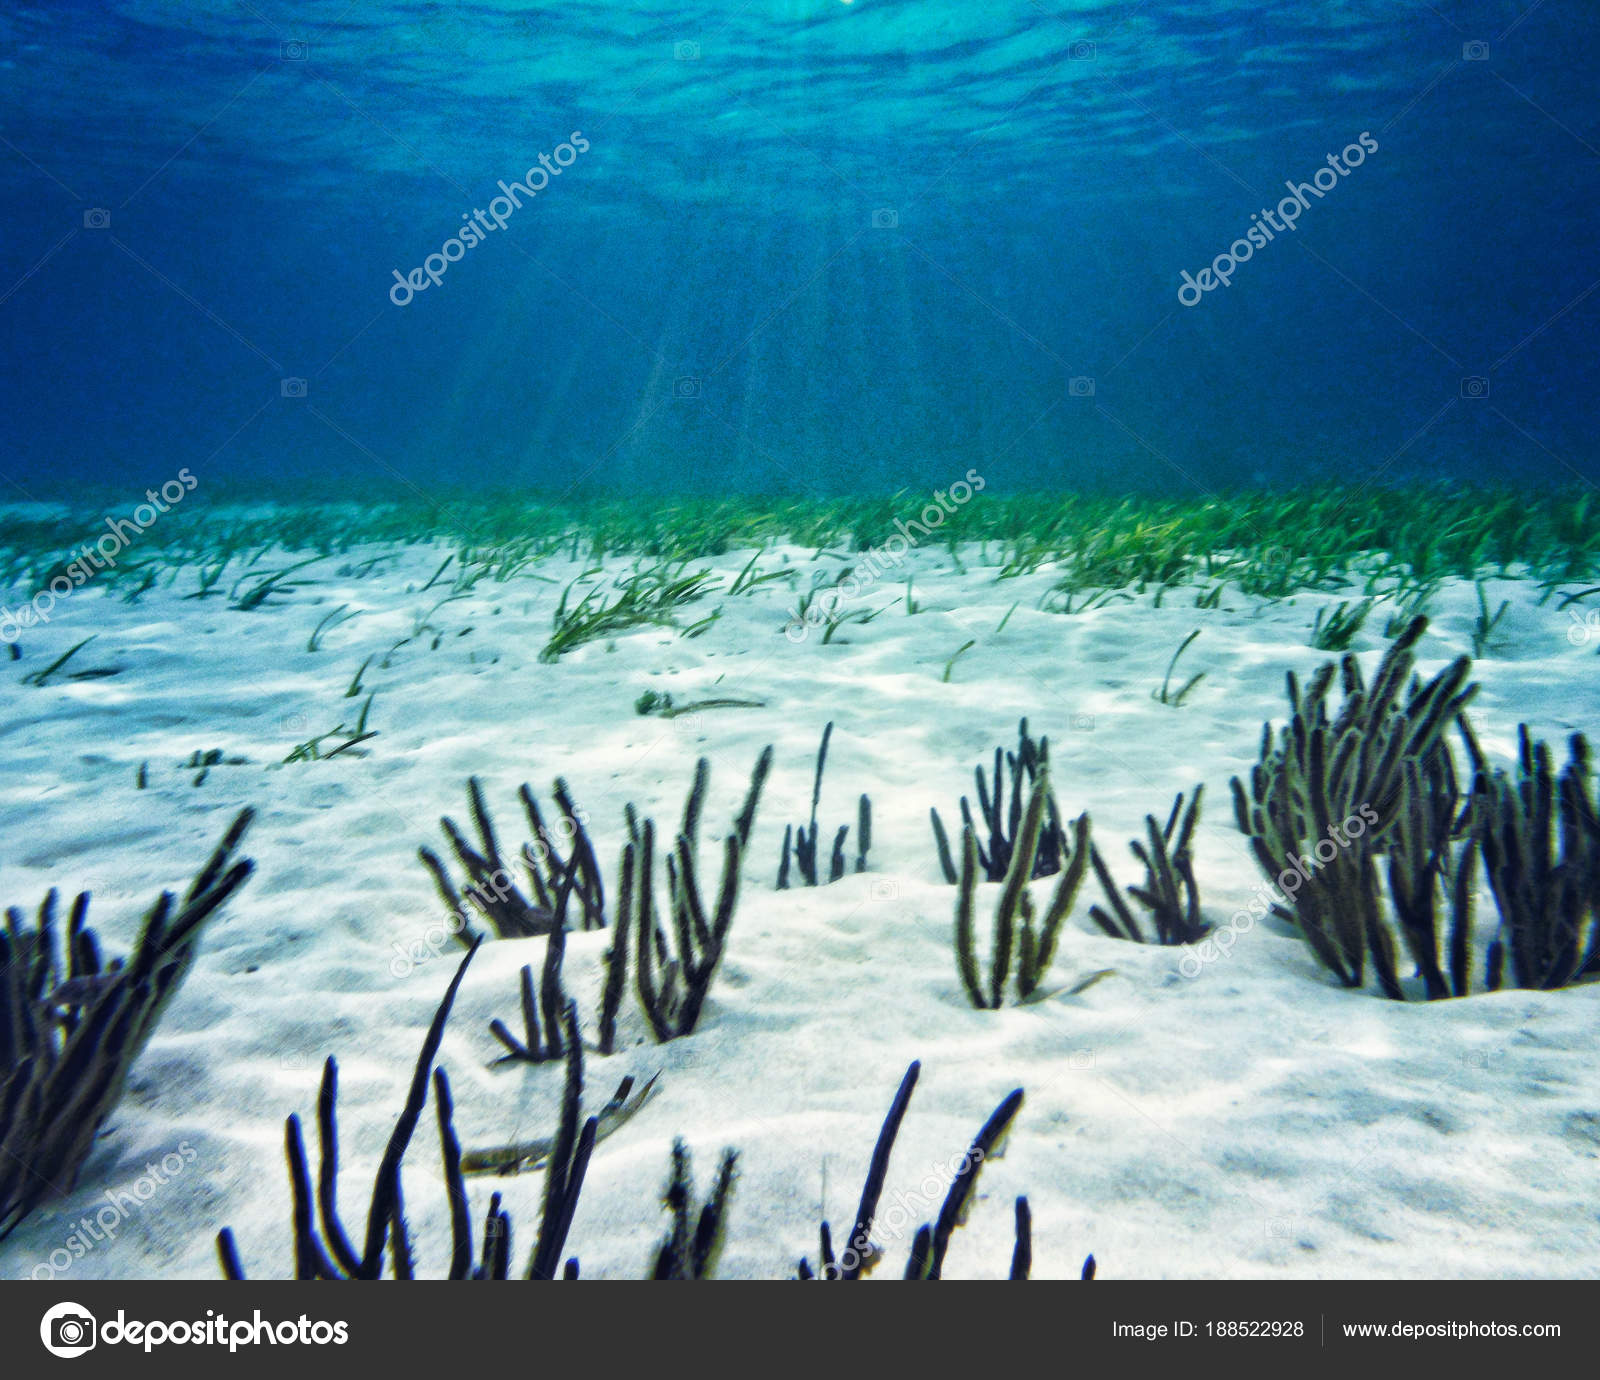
point(811, 245)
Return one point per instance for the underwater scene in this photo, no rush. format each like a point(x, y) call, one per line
point(803, 639)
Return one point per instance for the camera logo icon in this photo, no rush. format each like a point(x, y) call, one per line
point(96, 218)
point(294, 50)
point(1081, 1059)
point(1082, 51)
point(686, 388)
point(1280, 1227)
point(1475, 52)
point(1080, 387)
point(1585, 629)
point(1083, 723)
point(885, 218)
point(67, 1330)
point(292, 388)
point(686, 50)
point(1474, 386)
point(884, 889)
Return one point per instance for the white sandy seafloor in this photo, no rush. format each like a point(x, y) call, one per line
point(1252, 1121)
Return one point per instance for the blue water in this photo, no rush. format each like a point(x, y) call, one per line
point(810, 246)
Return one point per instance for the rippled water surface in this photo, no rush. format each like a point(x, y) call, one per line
point(801, 245)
